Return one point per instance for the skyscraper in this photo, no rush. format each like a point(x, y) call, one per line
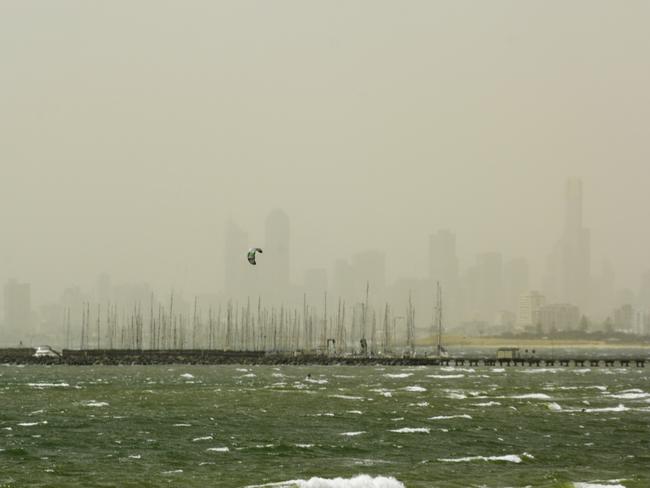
point(569, 265)
point(489, 284)
point(277, 255)
point(516, 278)
point(443, 268)
point(576, 248)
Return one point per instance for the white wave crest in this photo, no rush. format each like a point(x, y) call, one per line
point(415, 388)
point(532, 396)
point(454, 368)
point(456, 394)
point(93, 403)
point(353, 434)
point(539, 370)
point(487, 404)
point(580, 484)
point(619, 408)
point(361, 481)
point(446, 376)
point(318, 382)
point(554, 407)
point(411, 430)
point(218, 449)
point(32, 424)
point(48, 385)
point(630, 396)
point(187, 376)
point(398, 375)
point(510, 458)
point(446, 417)
point(347, 397)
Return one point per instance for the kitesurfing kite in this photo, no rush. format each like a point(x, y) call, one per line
point(251, 254)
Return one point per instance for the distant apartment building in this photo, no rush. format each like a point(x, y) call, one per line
point(18, 310)
point(559, 316)
point(625, 318)
point(529, 306)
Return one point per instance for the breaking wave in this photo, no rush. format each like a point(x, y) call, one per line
point(361, 481)
point(510, 458)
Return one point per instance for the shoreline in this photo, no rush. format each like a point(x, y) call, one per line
point(117, 357)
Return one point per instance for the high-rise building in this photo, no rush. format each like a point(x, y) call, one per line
point(569, 265)
point(18, 310)
point(236, 273)
point(489, 268)
point(443, 268)
point(277, 256)
point(576, 258)
point(516, 278)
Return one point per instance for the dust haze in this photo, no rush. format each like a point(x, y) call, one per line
point(500, 148)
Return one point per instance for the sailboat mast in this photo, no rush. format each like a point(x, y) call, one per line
point(439, 310)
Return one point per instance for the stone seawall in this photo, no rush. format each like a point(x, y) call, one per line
point(144, 357)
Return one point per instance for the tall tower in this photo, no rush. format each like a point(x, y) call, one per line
point(277, 254)
point(576, 249)
point(489, 266)
point(443, 268)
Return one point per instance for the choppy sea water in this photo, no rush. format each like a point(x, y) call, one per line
point(317, 427)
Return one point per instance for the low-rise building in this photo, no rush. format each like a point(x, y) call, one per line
point(559, 316)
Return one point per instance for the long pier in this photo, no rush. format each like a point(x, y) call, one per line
point(215, 357)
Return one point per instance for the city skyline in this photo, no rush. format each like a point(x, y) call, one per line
point(494, 292)
point(372, 126)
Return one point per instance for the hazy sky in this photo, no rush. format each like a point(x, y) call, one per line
point(131, 131)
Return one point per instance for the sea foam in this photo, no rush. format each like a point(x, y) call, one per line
point(410, 430)
point(446, 376)
point(510, 458)
point(48, 385)
point(580, 484)
point(447, 417)
point(532, 396)
point(361, 481)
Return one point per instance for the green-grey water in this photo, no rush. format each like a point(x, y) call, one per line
point(244, 426)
